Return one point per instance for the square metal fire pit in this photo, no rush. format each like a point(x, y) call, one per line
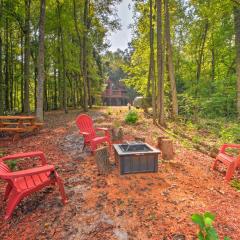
point(136, 157)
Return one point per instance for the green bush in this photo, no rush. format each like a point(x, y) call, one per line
point(131, 117)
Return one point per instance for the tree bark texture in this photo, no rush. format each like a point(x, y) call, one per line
point(26, 106)
point(171, 71)
point(152, 79)
point(237, 43)
point(61, 42)
point(84, 57)
point(40, 64)
point(1, 69)
point(160, 64)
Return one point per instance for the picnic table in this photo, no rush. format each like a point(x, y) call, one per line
point(18, 124)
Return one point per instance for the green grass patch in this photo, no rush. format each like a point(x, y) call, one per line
point(235, 183)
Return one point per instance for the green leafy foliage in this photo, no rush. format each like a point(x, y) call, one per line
point(203, 57)
point(131, 117)
point(231, 134)
point(206, 229)
point(12, 164)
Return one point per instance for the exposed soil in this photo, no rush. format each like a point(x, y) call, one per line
point(135, 206)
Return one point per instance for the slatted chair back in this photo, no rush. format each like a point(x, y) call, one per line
point(4, 169)
point(85, 125)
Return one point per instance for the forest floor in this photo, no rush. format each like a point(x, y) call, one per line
point(135, 206)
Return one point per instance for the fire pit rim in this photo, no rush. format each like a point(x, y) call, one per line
point(122, 153)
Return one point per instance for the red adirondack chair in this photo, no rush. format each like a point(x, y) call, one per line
point(230, 161)
point(85, 125)
point(22, 183)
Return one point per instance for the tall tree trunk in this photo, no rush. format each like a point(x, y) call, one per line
point(89, 91)
point(22, 74)
point(59, 69)
point(79, 40)
point(160, 63)
point(6, 90)
point(45, 96)
point(11, 73)
point(64, 77)
point(35, 85)
point(151, 76)
point(1, 69)
point(84, 57)
point(63, 59)
point(55, 105)
point(200, 56)
point(88, 26)
point(213, 69)
point(171, 71)
point(237, 42)
point(40, 66)
point(27, 56)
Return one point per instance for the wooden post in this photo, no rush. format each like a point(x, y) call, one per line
point(214, 152)
point(160, 139)
point(120, 134)
point(114, 134)
point(167, 149)
point(117, 133)
point(102, 160)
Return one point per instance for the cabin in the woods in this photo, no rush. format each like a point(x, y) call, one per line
point(115, 94)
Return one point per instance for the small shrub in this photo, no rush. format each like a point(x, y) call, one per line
point(12, 164)
point(206, 229)
point(131, 117)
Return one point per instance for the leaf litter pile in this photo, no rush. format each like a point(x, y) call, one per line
point(135, 206)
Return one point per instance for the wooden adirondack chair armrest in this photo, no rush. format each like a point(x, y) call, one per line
point(84, 133)
point(224, 146)
point(102, 129)
point(29, 172)
point(26, 155)
point(106, 130)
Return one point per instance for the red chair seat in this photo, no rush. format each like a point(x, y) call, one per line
point(29, 182)
point(225, 158)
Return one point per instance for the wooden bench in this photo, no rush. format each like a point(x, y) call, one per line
point(19, 124)
point(36, 125)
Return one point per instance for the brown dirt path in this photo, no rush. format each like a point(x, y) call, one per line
point(140, 206)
